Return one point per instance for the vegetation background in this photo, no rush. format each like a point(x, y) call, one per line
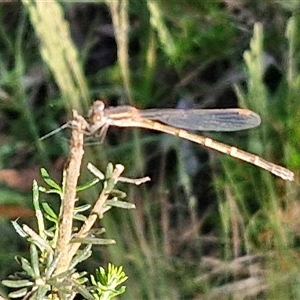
point(207, 226)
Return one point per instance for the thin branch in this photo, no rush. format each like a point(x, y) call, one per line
point(97, 211)
point(70, 181)
point(136, 181)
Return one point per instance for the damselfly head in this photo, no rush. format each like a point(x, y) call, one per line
point(96, 116)
point(96, 109)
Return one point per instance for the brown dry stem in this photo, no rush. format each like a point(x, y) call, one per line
point(71, 176)
point(97, 211)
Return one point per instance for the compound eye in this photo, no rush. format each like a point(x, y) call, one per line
point(99, 105)
point(96, 109)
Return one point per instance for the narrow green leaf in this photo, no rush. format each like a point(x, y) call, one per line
point(81, 255)
point(17, 283)
point(52, 265)
point(49, 180)
point(26, 266)
point(42, 189)
point(49, 232)
point(95, 171)
point(51, 219)
point(34, 256)
point(18, 294)
point(50, 191)
point(80, 217)
point(82, 278)
point(93, 280)
point(50, 212)
point(35, 193)
point(19, 229)
point(94, 241)
point(87, 185)
point(109, 170)
point(37, 208)
point(82, 208)
point(120, 204)
point(41, 292)
point(118, 194)
point(97, 231)
point(54, 280)
point(109, 185)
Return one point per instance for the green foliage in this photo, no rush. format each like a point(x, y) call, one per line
point(106, 282)
point(265, 202)
point(38, 280)
point(293, 87)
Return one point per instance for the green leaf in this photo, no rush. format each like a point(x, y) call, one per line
point(109, 185)
point(55, 279)
point(50, 191)
point(121, 204)
point(41, 292)
point(52, 263)
point(94, 241)
point(97, 231)
point(81, 255)
point(37, 208)
point(82, 208)
point(35, 193)
point(17, 283)
point(49, 180)
point(34, 255)
point(80, 217)
point(50, 214)
point(18, 294)
point(26, 266)
point(19, 229)
point(82, 279)
point(95, 171)
point(119, 194)
point(109, 170)
point(49, 232)
point(87, 185)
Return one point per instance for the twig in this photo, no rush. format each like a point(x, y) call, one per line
point(96, 212)
point(71, 176)
point(136, 181)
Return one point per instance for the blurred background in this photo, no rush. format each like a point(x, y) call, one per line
point(207, 226)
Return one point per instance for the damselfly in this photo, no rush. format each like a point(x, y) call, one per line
point(176, 121)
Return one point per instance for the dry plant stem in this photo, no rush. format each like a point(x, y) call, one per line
point(136, 181)
point(69, 198)
point(96, 212)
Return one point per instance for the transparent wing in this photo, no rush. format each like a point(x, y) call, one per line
point(205, 119)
